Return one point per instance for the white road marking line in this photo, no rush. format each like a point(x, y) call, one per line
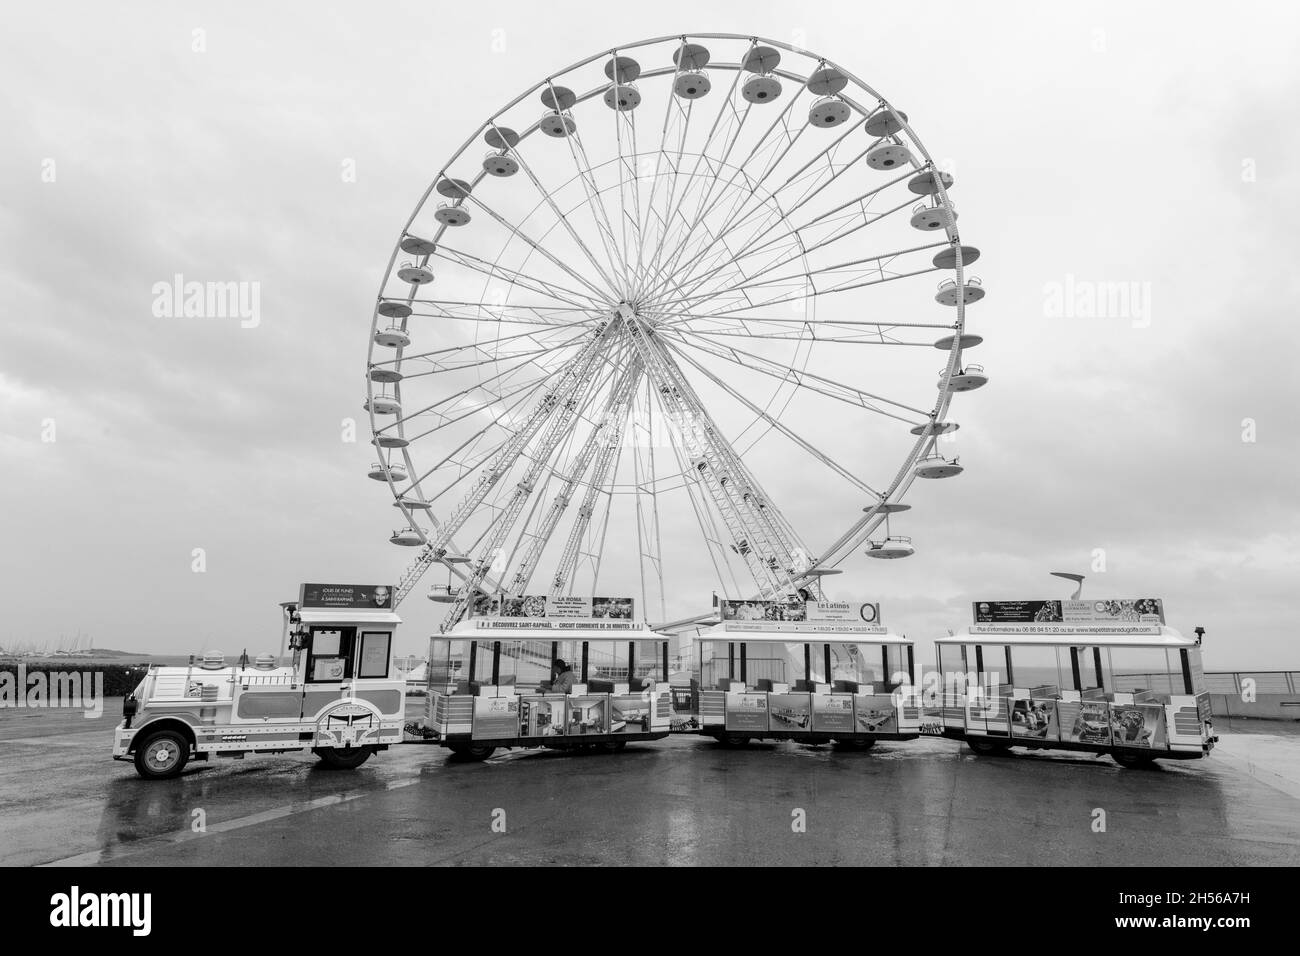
point(120, 850)
point(54, 740)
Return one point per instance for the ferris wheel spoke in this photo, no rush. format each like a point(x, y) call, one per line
point(673, 109)
point(445, 420)
point(499, 379)
point(730, 323)
point(822, 165)
point(549, 199)
point(496, 424)
point(803, 292)
point(853, 213)
point(517, 278)
point(676, 199)
point(625, 130)
point(534, 337)
point(853, 266)
point(776, 424)
point(807, 331)
point(808, 380)
point(595, 203)
point(517, 231)
point(765, 199)
point(706, 207)
point(439, 367)
point(554, 316)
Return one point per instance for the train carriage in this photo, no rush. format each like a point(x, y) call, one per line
point(1097, 676)
point(831, 675)
point(555, 683)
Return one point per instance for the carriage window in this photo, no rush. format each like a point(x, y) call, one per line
point(448, 663)
point(860, 663)
point(372, 659)
point(1146, 670)
point(648, 658)
point(331, 654)
point(1093, 669)
point(714, 663)
point(1036, 669)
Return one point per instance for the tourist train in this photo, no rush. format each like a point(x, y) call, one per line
point(1104, 677)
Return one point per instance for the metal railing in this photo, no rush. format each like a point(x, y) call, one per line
point(1220, 682)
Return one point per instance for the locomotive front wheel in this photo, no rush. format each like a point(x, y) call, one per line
point(162, 755)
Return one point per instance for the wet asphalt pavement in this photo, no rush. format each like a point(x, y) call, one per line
point(679, 801)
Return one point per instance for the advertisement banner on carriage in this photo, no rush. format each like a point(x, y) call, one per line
point(832, 713)
point(746, 711)
point(826, 617)
point(346, 596)
point(875, 714)
point(1085, 721)
point(790, 711)
point(543, 608)
point(1138, 725)
point(496, 718)
point(1126, 615)
point(1036, 718)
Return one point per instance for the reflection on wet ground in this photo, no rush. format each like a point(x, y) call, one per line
point(680, 801)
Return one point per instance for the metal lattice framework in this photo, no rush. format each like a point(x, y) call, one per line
point(688, 278)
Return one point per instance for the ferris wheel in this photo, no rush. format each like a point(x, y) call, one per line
point(671, 311)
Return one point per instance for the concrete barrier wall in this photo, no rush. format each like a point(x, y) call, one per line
point(1264, 707)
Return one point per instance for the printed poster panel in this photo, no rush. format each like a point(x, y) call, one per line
point(367, 596)
point(496, 718)
point(631, 713)
point(790, 712)
point(842, 612)
point(1035, 718)
point(746, 712)
point(541, 717)
point(612, 608)
point(854, 613)
point(1139, 725)
point(530, 605)
point(875, 714)
point(545, 607)
point(832, 713)
point(1147, 611)
point(588, 715)
point(1091, 724)
point(792, 611)
point(568, 606)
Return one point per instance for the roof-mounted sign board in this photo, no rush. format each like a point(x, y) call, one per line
point(1126, 611)
point(817, 616)
point(546, 607)
point(355, 596)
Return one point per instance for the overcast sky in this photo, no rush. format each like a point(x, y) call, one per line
point(1151, 144)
